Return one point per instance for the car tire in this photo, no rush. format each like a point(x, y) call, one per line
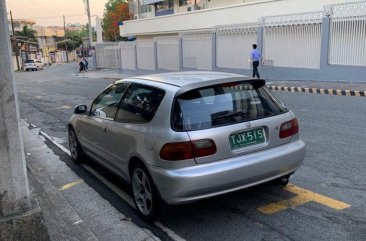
point(144, 192)
point(76, 151)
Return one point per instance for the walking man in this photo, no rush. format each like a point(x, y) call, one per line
point(255, 56)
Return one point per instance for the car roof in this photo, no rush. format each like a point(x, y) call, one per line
point(182, 79)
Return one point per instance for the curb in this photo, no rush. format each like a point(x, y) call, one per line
point(338, 92)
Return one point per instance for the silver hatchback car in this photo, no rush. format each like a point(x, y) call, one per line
point(184, 136)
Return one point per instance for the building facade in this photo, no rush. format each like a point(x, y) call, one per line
point(20, 23)
point(187, 15)
point(47, 38)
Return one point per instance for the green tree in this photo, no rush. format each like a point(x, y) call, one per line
point(27, 37)
point(116, 11)
point(73, 40)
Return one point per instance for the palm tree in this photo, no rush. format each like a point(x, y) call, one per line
point(27, 36)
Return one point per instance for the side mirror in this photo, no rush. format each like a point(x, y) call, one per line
point(80, 109)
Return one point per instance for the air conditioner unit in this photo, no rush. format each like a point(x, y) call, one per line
point(192, 7)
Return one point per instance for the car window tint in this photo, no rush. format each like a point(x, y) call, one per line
point(223, 104)
point(106, 104)
point(139, 104)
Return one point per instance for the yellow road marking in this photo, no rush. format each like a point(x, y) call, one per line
point(63, 107)
point(71, 184)
point(302, 196)
point(282, 205)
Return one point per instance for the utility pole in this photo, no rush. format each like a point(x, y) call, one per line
point(89, 22)
point(14, 189)
point(16, 42)
point(67, 57)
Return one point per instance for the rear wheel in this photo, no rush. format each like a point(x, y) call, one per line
point(74, 147)
point(144, 192)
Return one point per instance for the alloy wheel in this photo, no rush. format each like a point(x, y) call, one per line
point(141, 188)
point(73, 145)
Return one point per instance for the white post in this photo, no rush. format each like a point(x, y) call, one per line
point(14, 190)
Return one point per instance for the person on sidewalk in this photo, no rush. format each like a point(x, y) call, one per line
point(255, 57)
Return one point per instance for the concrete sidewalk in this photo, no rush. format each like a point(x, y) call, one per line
point(72, 210)
point(313, 84)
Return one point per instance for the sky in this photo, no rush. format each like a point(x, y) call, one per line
point(49, 12)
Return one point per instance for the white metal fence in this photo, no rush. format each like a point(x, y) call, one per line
point(293, 41)
point(168, 53)
point(233, 45)
point(197, 49)
point(348, 34)
point(108, 55)
point(146, 54)
point(128, 55)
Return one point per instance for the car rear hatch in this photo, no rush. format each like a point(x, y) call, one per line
point(231, 119)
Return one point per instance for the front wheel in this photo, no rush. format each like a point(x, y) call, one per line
point(74, 147)
point(144, 193)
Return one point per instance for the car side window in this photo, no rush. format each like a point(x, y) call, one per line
point(139, 104)
point(106, 104)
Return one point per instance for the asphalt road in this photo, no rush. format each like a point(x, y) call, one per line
point(332, 126)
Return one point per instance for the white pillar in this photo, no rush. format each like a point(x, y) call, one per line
point(14, 190)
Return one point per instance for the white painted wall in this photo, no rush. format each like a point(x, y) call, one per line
point(231, 14)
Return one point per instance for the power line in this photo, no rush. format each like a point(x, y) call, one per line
point(66, 16)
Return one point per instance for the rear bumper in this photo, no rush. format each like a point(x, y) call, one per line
point(211, 179)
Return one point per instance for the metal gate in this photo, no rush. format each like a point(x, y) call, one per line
point(168, 53)
point(233, 45)
point(348, 34)
point(293, 40)
point(108, 55)
point(197, 49)
point(146, 54)
point(128, 55)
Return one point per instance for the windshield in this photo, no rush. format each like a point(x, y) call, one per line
point(223, 104)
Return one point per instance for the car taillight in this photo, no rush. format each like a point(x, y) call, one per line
point(187, 150)
point(289, 128)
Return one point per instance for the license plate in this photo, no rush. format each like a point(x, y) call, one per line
point(247, 138)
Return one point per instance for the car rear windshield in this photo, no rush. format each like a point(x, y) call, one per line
point(29, 62)
point(224, 104)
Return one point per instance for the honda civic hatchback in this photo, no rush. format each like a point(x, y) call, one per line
point(184, 136)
